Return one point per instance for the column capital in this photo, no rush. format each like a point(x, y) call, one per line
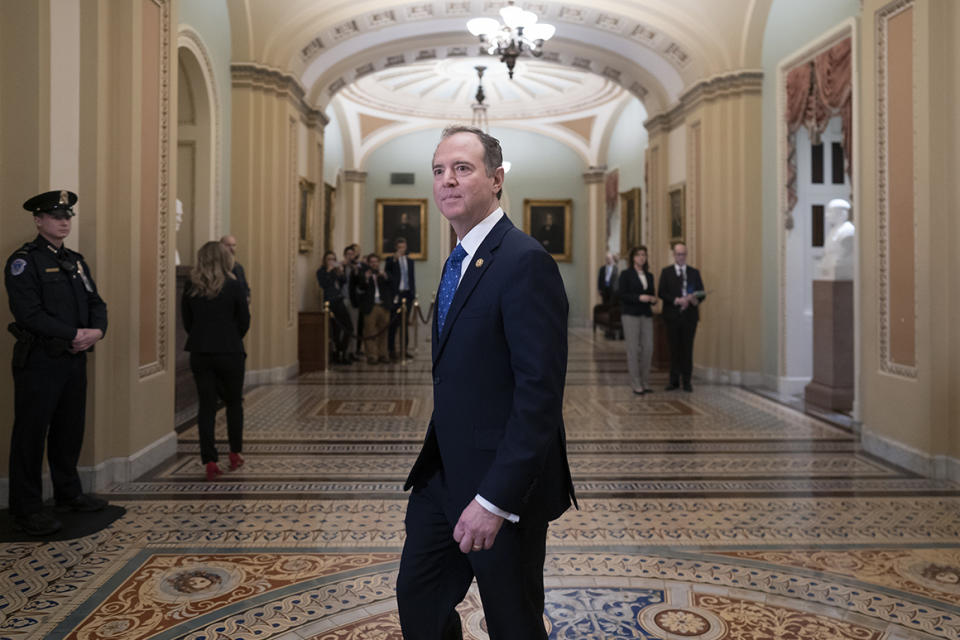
point(351, 175)
point(594, 175)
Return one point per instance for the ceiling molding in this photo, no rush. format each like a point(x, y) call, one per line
point(738, 83)
point(253, 76)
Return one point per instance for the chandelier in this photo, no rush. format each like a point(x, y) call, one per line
point(519, 32)
point(480, 120)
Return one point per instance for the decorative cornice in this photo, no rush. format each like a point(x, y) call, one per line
point(595, 175)
point(734, 84)
point(255, 76)
point(350, 175)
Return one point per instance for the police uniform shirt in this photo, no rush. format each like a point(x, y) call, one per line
point(51, 291)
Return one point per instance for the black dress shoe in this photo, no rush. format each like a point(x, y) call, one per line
point(37, 524)
point(687, 388)
point(84, 502)
point(671, 387)
point(648, 390)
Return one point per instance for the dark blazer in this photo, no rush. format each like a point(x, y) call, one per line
point(498, 374)
point(241, 277)
point(366, 293)
point(392, 269)
point(631, 289)
point(216, 325)
point(671, 286)
point(331, 284)
point(607, 292)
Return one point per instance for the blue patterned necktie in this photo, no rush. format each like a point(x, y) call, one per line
point(448, 284)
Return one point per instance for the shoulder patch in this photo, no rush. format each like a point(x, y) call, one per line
point(17, 266)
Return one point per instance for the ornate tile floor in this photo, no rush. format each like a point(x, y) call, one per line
point(711, 515)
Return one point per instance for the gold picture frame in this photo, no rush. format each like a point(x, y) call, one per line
point(676, 198)
point(402, 217)
point(307, 191)
point(540, 220)
point(631, 220)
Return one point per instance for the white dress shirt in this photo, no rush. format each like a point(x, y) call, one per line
point(470, 243)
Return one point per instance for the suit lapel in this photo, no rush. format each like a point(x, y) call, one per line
point(470, 279)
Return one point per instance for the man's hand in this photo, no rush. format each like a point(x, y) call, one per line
point(694, 300)
point(477, 528)
point(85, 339)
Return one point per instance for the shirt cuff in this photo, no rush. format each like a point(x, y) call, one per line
point(495, 510)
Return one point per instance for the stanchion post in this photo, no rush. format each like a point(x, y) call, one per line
point(326, 335)
point(403, 331)
point(416, 324)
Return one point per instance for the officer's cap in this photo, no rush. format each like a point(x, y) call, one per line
point(52, 202)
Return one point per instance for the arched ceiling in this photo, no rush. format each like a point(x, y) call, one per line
point(392, 61)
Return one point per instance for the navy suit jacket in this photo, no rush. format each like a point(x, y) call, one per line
point(671, 287)
point(392, 269)
point(498, 375)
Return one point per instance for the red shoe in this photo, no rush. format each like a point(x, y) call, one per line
point(236, 461)
point(213, 471)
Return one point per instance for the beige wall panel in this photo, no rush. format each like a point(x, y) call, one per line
point(901, 246)
point(23, 35)
point(264, 184)
point(910, 413)
point(149, 181)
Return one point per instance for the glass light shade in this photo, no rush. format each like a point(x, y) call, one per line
point(540, 31)
point(515, 17)
point(506, 166)
point(482, 26)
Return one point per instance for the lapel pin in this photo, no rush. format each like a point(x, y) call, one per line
point(478, 263)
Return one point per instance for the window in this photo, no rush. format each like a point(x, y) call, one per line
point(836, 162)
point(816, 219)
point(816, 163)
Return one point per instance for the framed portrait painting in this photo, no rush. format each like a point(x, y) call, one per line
point(676, 198)
point(550, 222)
point(630, 218)
point(402, 218)
point(307, 191)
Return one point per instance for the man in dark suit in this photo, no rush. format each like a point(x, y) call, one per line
point(607, 280)
point(399, 269)
point(230, 242)
point(681, 290)
point(493, 468)
point(550, 235)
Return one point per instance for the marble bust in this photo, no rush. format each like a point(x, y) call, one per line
point(837, 261)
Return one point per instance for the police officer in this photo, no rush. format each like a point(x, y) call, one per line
point(58, 317)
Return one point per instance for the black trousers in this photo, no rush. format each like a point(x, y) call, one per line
point(342, 327)
point(49, 407)
point(218, 374)
point(435, 576)
point(680, 334)
point(396, 320)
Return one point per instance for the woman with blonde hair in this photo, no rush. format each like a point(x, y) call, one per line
point(216, 317)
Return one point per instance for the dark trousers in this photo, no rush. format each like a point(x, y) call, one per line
point(396, 319)
point(49, 406)
point(218, 374)
point(342, 327)
point(680, 334)
point(435, 576)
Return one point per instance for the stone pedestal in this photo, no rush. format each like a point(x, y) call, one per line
point(832, 384)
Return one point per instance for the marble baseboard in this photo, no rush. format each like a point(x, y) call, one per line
point(940, 467)
point(271, 376)
point(715, 375)
point(788, 386)
point(112, 471)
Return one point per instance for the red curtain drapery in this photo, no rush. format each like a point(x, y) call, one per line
point(817, 91)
